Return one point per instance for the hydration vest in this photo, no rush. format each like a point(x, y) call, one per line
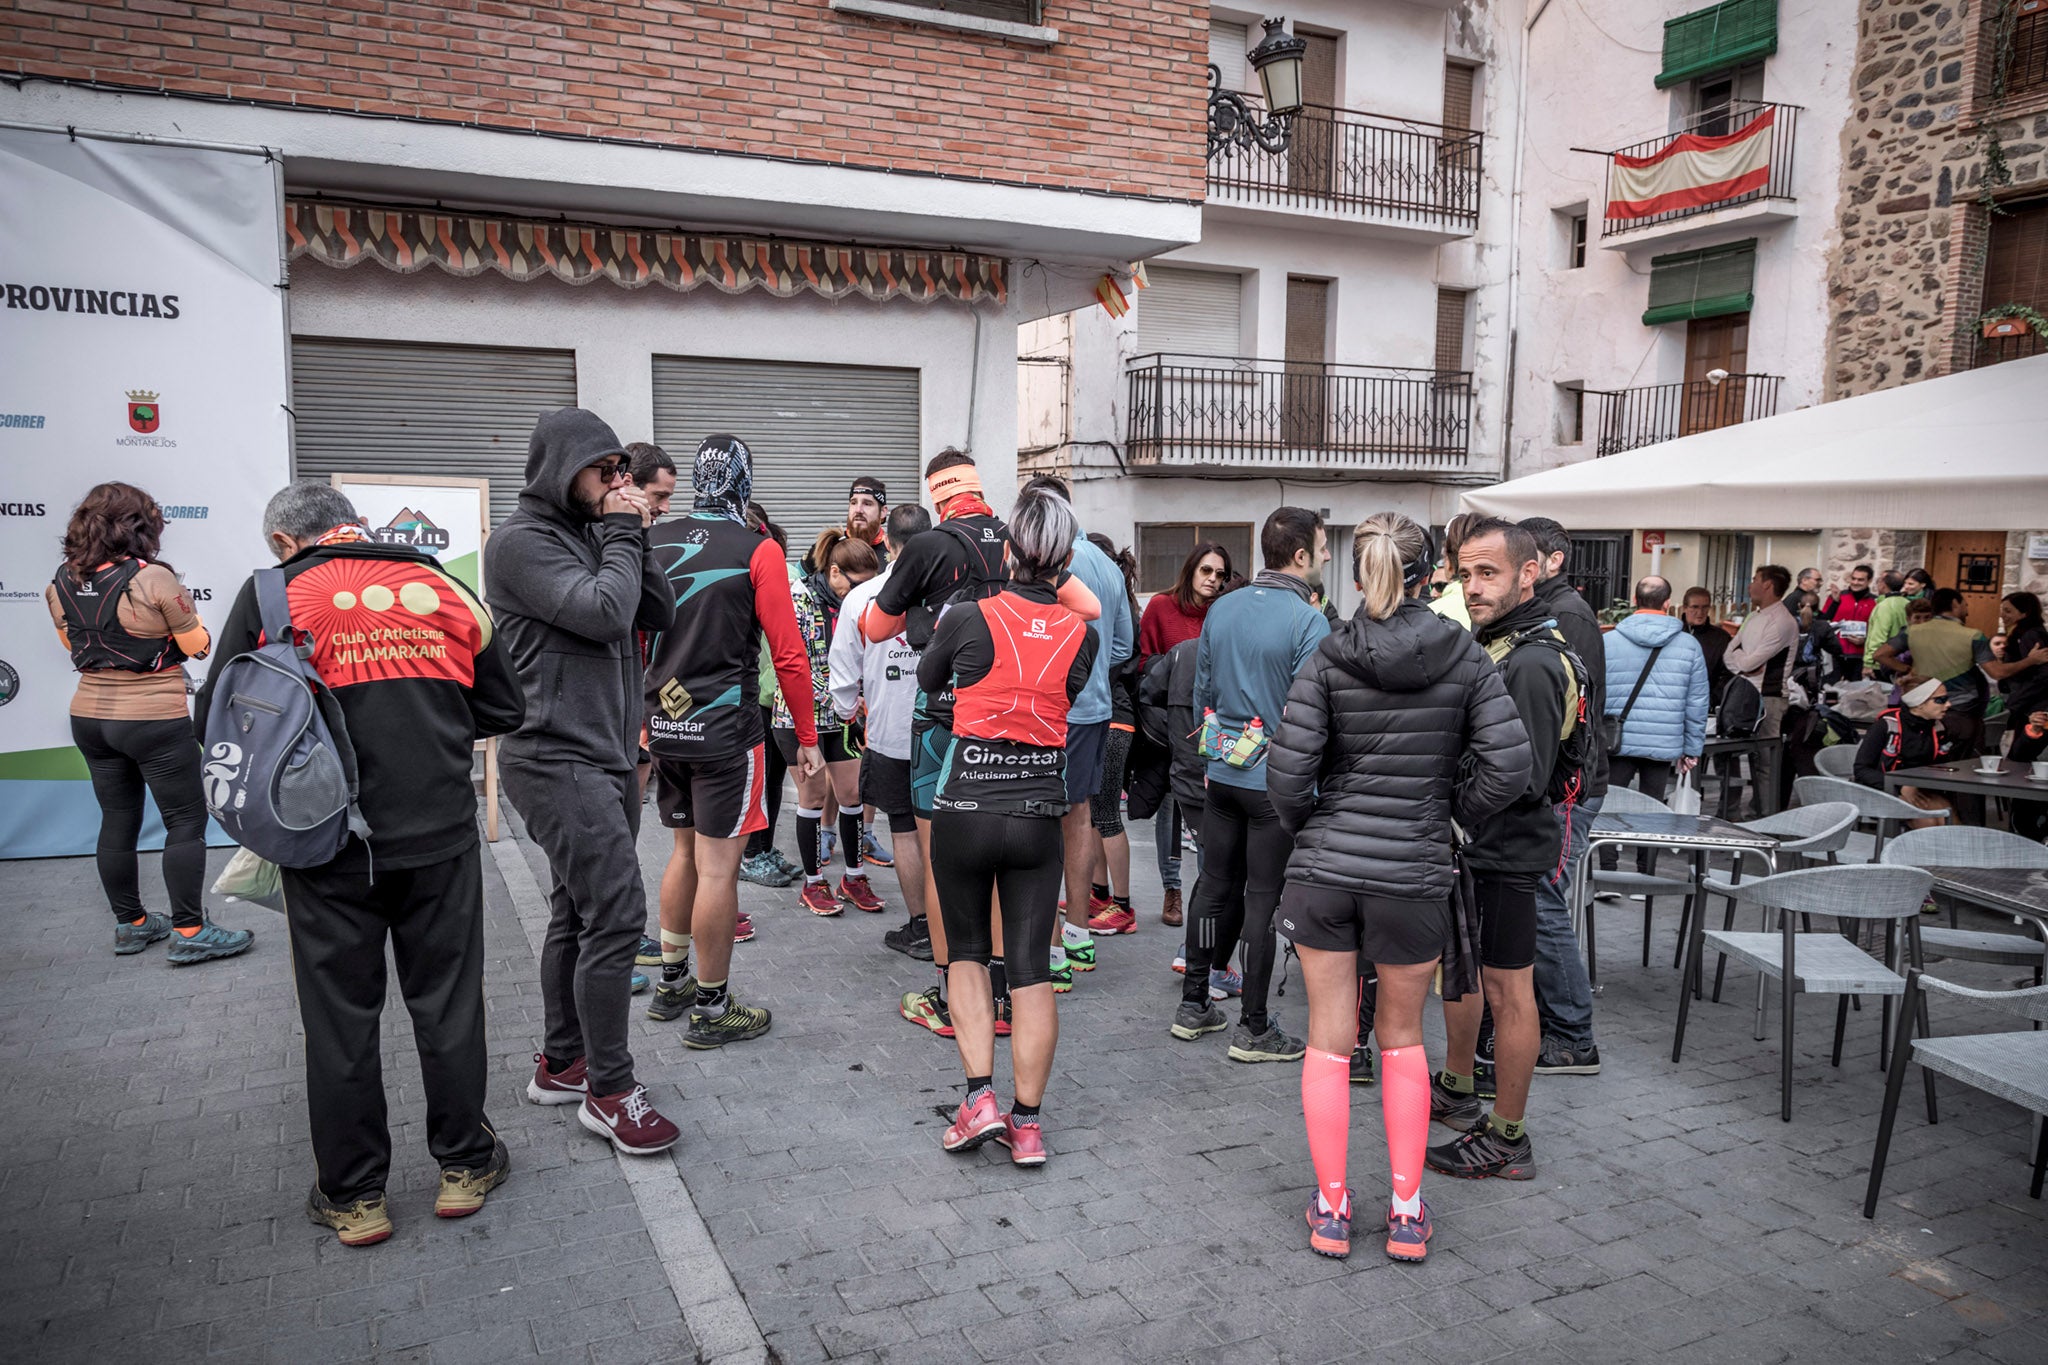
point(1574, 748)
point(987, 542)
point(1008, 749)
point(92, 618)
point(1895, 741)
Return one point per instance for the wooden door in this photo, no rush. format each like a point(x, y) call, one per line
point(1973, 563)
point(1305, 387)
point(1714, 344)
point(1312, 151)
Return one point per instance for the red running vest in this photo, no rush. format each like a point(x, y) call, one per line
point(1024, 697)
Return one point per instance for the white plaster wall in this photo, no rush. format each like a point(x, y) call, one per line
point(1591, 83)
point(615, 334)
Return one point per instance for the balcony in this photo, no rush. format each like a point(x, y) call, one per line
point(1633, 418)
point(1399, 177)
point(1731, 164)
point(1230, 416)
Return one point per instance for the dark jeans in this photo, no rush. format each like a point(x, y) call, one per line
point(1244, 862)
point(1564, 995)
point(582, 818)
point(1653, 776)
point(433, 917)
point(127, 758)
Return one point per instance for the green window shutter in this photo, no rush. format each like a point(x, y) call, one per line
point(1702, 284)
point(1717, 38)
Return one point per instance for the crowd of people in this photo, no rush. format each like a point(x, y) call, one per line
point(1401, 796)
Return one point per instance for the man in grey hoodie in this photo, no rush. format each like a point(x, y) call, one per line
point(570, 580)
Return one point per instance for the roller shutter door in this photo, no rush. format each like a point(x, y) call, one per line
point(394, 407)
point(1191, 312)
point(813, 429)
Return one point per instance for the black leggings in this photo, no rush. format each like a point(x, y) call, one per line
point(1106, 807)
point(127, 757)
point(978, 853)
point(763, 839)
point(1244, 861)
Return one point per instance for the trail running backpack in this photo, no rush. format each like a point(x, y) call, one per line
point(1574, 741)
point(280, 773)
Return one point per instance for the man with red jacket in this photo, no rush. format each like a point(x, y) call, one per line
point(410, 656)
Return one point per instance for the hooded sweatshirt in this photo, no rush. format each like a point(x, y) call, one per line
point(1370, 766)
point(568, 594)
point(1669, 719)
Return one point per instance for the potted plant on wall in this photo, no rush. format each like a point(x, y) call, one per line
point(2012, 320)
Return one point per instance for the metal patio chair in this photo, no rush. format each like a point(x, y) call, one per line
point(1837, 760)
point(1882, 809)
point(1970, 846)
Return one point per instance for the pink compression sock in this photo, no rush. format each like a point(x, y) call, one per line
point(1404, 1101)
point(1326, 1108)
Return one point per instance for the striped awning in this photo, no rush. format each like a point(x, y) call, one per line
point(409, 240)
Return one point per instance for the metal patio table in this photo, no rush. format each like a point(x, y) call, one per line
point(1698, 835)
point(1963, 776)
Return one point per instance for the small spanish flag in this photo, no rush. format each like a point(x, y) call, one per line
point(1139, 279)
point(1112, 297)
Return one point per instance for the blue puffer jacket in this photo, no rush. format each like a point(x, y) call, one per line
point(1670, 717)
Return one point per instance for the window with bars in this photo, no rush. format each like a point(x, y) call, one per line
point(2016, 271)
point(1702, 284)
point(1598, 568)
point(1163, 546)
point(1717, 38)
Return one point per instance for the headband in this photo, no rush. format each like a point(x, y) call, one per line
point(952, 481)
point(869, 487)
point(1919, 695)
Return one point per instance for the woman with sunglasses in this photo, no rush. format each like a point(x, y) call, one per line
point(1910, 735)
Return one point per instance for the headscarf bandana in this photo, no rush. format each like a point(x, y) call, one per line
point(723, 476)
point(1920, 695)
point(869, 487)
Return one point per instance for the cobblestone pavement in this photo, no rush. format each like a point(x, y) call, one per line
point(156, 1159)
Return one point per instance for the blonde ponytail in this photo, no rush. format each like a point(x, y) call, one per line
point(1381, 549)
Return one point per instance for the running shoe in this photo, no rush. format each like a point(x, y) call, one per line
point(1483, 1085)
point(876, 850)
point(1003, 1017)
point(1081, 956)
point(1169, 908)
point(1224, 983)
point(1192, 1020)
point(1113, 920)
point(629, 1122)
point(210, 942)
point(567, 1086)
point(639, 982)
point(743, 928)
point(979, 1119)
point(819, 900)
point(672, 1003)
point(649, 954)
point(133, 938)
point(1560, 1058)
point(1484, 1152)
point(927, 1009)
point(1408, 1235)
point(1329, 1234)
point(1096, 905)
point(1361, 1065)
point(1180, 963)
point(792, 872)
point(1062, 976)
point(912, 938)
point(1026, 1142)
point(763, 870)
point(359, 1223)
point(731, 1022)
point(1270, 1046)
point(1452, 1109)
point(854, 888)
point(463, 1189)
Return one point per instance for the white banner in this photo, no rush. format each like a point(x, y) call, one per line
point(444, 517)
point(142, 339)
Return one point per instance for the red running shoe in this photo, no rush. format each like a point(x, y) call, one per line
point(1114, 920)
point(979, 1120)
point(1026, 1142)
point(567, 1086)
point(1003, 1017)
point(742, 929)
point(854, 887)
point(629, 1122)
point(1329, 1234)
point(819, 900)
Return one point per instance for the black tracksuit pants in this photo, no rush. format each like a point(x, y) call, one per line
point(433, 917)
point(1244, 862)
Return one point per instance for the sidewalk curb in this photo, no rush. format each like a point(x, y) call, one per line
point(713, 1307)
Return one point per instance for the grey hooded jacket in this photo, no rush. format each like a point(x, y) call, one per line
point(568, 594)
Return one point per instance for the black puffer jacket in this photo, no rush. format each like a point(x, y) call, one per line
point(1364, 771)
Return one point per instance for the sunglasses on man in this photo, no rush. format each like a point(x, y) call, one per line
point(609, 470)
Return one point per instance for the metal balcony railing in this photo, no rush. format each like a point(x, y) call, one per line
point(1417, 172)
point(1719, 121)
point(1234, 411)
point(1995, 350)
point(1633, 418)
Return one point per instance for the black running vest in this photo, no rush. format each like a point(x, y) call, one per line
point(92, 618)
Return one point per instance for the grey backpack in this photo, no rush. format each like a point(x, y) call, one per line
point(280, 773)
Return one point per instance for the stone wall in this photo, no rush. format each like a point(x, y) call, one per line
point(1843, 549)
point(1905, 286)
point(2023, 574)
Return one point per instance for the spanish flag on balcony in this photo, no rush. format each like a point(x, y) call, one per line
point(1692, 171)
point(1112, 297)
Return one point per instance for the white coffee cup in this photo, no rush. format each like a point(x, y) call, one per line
point(2041, 770)
point(1990, 764)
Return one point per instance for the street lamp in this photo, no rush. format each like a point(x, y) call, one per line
point(1232, 124)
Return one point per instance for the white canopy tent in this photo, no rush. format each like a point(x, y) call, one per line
point(1968, 452)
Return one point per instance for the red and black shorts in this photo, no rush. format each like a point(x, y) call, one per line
point(724, 798)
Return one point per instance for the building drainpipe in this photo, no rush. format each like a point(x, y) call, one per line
point(1515, 237)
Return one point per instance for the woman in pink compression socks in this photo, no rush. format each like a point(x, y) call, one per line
point(1365, 773)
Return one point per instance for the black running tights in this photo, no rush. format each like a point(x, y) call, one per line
point(128, 758)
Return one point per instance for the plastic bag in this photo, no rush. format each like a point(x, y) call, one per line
point(250, 878)
point(1685, 797)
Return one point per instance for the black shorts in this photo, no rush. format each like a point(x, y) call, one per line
point(724, 798)
point(980, 857)
point(885, 785)
point(1507, 919)
point(1085, 744)
point(832, 743)
point(1379, 929)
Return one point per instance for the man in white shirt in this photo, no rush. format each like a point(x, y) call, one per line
point(882, 678)
point(1763, 649)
